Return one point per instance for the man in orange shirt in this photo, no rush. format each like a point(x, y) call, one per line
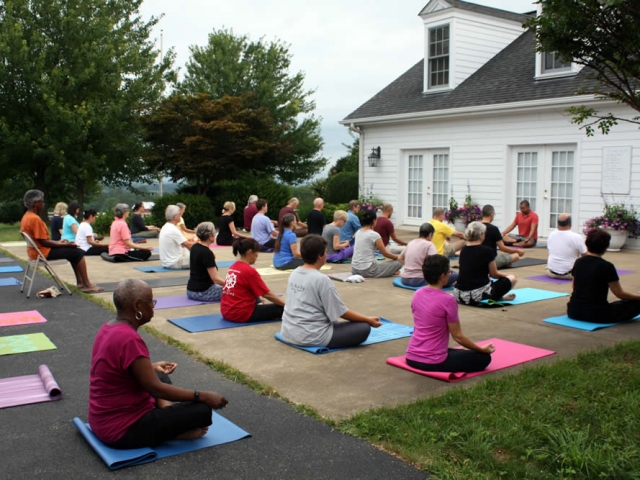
point(33, 226)
point(527, 222)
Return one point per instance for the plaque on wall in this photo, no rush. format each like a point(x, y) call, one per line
point(616, 170)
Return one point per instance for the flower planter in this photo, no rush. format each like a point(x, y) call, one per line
point(618, 239)
point(632, 243)
point(460, 225)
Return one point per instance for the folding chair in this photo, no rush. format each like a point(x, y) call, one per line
point(34, 263)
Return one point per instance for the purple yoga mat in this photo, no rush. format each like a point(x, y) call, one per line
point(177, 301)
point(29, 389)
point(560, 281)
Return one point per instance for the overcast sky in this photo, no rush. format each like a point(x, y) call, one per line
point(348, 50)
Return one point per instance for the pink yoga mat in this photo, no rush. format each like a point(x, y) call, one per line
point(507, 354)
point(177, 301)
point(29, 389)
point(215, 245)
point(21, 318)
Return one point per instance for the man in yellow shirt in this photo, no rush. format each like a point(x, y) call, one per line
point(444, 231)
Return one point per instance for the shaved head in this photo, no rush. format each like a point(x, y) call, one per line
point(128, 291)
point(318, 202)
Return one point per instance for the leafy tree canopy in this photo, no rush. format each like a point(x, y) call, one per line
point(603, 35)
point(350, 161)
point(74, 77)
point(236, 66)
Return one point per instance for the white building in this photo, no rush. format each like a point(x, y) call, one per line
point(484, 109)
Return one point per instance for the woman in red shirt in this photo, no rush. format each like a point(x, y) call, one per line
point(244, 288)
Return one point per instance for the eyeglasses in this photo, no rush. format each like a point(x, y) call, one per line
point(153, 302)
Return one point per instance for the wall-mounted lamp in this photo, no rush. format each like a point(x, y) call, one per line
point(374, 157)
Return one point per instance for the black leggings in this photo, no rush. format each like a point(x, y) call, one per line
point(295, 263)
point(97, 250)
point(73, 255)
point(620, 311)
point(162, 424)
point(457, 361)
point(266, 311)
point(349, 334)
point(133, 256)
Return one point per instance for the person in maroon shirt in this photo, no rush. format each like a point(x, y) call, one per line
point(250, 211)
point(300, 228)
point(386, 230)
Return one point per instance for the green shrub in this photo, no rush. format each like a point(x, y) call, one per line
point(102, 225)
point(329, 208)
point(199, 209)
point(342, 187)
point(11, 212)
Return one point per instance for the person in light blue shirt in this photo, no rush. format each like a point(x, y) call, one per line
point(287, 256)
point(352, 225)
point(70, 224)
point(262, 230)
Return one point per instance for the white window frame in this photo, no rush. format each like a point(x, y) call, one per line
point(449, 70)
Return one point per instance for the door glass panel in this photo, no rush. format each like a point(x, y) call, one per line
point(561, 185)
point(415, 186)
point(440, 180)
point(527, 175)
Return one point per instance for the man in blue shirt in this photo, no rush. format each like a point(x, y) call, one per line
point(352, 225)
point(262, 229)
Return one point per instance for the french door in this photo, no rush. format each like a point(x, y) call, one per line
point(427, 180)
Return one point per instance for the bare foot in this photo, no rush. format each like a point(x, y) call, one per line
point(193, 434)
point(92, 289)
point(511, 296)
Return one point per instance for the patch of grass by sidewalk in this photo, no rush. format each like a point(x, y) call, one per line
point(575, 418)
point(10, 232)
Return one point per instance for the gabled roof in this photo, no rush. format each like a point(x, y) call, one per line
point(494, 12)
point(508, 77)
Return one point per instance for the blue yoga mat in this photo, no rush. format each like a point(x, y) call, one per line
point(161, 269)
point(9, 282)
point(528, 295)
point(205, 323)
point(397, 282)
point(388, 331)
point(221, 431)
point(565, 321)
point(11, 269)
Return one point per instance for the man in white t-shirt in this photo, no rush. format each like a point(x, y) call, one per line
point(174, 247)
point(565, 247)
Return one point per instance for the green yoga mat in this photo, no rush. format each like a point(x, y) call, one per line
point(33, 342)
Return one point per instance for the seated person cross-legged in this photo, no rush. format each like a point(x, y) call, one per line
point(85, 239)
point(287, 256)
point(174, 247)
point(205, 285)
point(262, 229)
point(244, 288)
point(32, 225)
point(435, 317)
point(527, 222)
point(477, 268)
point(130, 398)
point(313, 305)
point(227, 230)
point(121, 247)
point(364, 260)
point(414, 255)
point(593, 277)
point(139, 227)
point(69, 223)
point(57, 221)
point(337, 250)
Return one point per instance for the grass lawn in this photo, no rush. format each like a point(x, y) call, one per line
point(10, 232)
point(576, 418)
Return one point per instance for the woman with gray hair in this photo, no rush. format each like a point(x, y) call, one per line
point(477, 268)
point(121, 247)
point(205, 285)
point(187, 232)
point(250, 211)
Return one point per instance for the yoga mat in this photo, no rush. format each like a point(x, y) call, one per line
point(397, 282)
point(10, 281)
point(388, 331)
point(33, 342)
point(153, 283)
point(161, 269)
point(178, 301)
point(341, 277)
point(214, 321)
point(527, 295)
point(12, 269)
point(347, 261)
point(155, 250)
point(13, 244)
point(29, 389)
point(274, 271)
point(215, 245)
point(7, 260)
point(220, 432)
point(21, 318)
point(527, 262)
point(153, 258)
point(565, 321)
point(507, 354)
point(560, 281)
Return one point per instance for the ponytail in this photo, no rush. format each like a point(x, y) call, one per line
point(243, 245)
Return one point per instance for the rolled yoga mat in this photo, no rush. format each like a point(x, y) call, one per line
point(507, 354)
point(21, 318)
point(214, 321)
point(565, 321)
point(28, 389)
point(152, 282)
point(388, 331)
point(220, 432)
point(32, 342)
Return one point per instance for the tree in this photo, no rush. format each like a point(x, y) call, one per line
point(233, 65)
point(74, 77)
point(205, 141)
point(349, 162)
point(602, 35)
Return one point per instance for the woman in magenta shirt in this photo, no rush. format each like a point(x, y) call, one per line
point(435, 316)
point(130, 398)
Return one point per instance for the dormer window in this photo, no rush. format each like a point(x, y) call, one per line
point(439, 57)
point(551, 63)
